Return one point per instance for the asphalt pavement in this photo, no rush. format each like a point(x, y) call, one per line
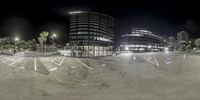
point(127, 76)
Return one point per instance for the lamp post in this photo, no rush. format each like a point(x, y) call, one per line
point(16, 42)
point(53, 37)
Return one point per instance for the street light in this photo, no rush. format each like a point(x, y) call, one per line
point(16, 43)
point(166, 50)
point(126, 48)
point(53, 37)
point(16, 38)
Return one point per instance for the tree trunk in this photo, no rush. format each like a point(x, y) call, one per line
point(45, 46)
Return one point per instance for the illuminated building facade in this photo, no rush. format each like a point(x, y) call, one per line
point(171, 43)
point(142, 40)
point(91, 34)
point(182, 37)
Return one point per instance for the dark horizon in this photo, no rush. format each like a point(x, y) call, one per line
point(165, 17)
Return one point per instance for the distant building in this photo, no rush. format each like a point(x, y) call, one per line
point(142, 40)
point(171, 43)
point(171, 40)
point(182, 37)
point(91, 33)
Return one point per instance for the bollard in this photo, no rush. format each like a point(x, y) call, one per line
point(134, 57)
point(184, 56)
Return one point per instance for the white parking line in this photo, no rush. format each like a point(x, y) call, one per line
point(168, 63)
point(166, 57)
point(156, 60)
point(84, 64)
point(103, 65)
point(9, 59)
point(35, 64)
point(16, 62)
point(21, 68)
point(149, 60)
point(72, 66)
point(53, 69)
point(12, 58)
point(61, 62)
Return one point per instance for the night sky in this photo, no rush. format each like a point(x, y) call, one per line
point(27, 19)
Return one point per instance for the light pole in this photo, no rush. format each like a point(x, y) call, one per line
point(16, 42)
point(53, 37)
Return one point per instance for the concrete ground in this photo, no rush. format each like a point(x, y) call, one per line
point(128, 76)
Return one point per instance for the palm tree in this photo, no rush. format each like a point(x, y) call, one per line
point(43, 38)
point(1, 46)
point(197, 42)
point(41, 41)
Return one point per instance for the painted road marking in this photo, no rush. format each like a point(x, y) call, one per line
point(21, 68)
point(168, 63)
point(35, 64)
point(84, 64)
point(166, 57)
point(9, 59)
point(53, 69)
point(16, 62)
point(154, 59)
point(12, 58)
point(4, 61)
point(49, 66)
point(103, 65)
point(61, 62)
point(72, 66)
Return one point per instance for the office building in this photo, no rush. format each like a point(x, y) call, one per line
point(182, 37)
point(171, 43)
point(142, 40)
point(91, 33)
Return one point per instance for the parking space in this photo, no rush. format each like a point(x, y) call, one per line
point(50, 64)
point(132, 74)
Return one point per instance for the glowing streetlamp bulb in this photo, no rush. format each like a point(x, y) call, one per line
point(126, 48)
point(54, 35)
point(166, 50)
point(16, 39)
point(53, 38)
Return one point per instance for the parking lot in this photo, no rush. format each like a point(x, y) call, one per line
point(127, 76)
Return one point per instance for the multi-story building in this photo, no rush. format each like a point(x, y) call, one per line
point(171, 40)
point(142, 39)
point(171, 43)
point(91, 33)
point(182, 37)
